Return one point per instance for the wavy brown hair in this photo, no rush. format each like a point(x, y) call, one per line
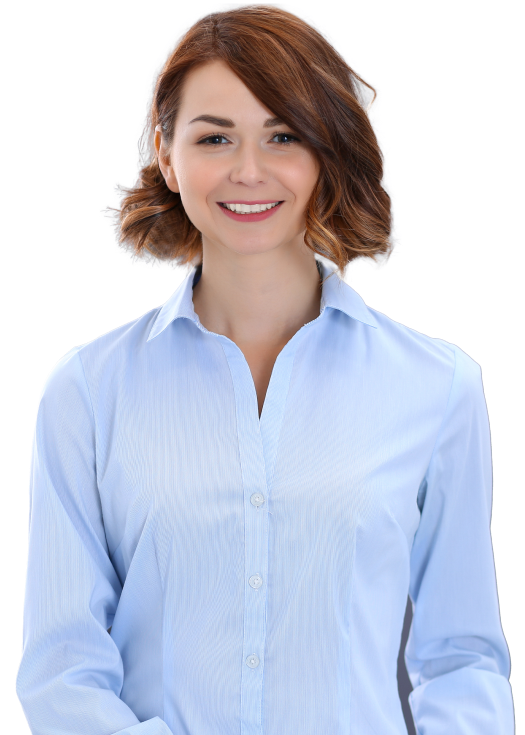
point(293, 70)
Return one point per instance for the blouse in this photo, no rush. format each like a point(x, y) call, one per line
point(195, 569)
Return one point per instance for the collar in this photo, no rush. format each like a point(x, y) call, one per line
point(336, 294)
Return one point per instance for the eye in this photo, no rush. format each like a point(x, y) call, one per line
point(288, 135)
point(219, 135)
point(210, 137)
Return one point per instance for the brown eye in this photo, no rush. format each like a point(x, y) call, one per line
point(219, 135)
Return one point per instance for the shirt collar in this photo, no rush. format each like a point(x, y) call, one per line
point(336, 294)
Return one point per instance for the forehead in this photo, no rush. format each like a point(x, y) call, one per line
point(214, 89)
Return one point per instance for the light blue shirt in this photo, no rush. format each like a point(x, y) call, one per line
point(255, 572)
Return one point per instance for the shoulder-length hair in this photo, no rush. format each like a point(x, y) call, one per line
point(293, 70)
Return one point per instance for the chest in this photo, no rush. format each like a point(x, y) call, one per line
point(261, 361)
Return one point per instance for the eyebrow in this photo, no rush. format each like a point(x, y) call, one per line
point(225, 122)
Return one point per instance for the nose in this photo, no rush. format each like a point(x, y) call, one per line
point(248, 165)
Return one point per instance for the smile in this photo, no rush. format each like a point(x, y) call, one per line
point(245, 212)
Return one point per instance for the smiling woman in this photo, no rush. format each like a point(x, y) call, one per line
point(245, 190)
point(305, 105)
point(233, 495)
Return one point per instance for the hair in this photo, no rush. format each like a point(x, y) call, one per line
point(292, 70)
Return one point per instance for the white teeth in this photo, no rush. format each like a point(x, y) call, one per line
point(249, 208)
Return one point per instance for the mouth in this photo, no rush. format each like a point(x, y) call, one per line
point(222, 204)
point(250, 211)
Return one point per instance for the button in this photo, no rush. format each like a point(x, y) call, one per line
point(255, 581)
point(257, 499)
point(252, 660)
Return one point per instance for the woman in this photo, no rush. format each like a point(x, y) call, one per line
point(233, 495)
point(259, 282)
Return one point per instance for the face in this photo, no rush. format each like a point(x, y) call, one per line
point(228, 149)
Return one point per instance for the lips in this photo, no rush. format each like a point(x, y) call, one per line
point(250, 216)
point(222, 204)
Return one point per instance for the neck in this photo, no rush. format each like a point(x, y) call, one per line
point(260, 298)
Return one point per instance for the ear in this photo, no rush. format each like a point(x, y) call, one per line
point(164, 161)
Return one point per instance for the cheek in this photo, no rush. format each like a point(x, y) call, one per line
point(195, 176)
point(198, 181)
point(302, 177)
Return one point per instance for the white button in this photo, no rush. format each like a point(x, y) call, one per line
point(255, 581)
point(252, 660)
point(257, 499)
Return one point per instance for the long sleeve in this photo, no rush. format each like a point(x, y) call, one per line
point(456, 655)
point(71, 671)
point(254, 569)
